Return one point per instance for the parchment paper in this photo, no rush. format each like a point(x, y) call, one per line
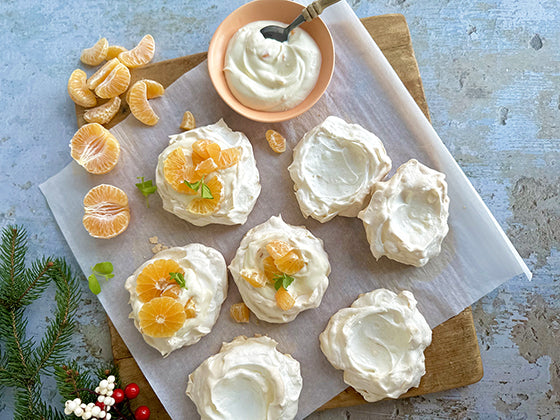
point(476, 255)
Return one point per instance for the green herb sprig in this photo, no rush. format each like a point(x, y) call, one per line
point(179, 279)
point(282, 280)
point(103, 269)
point(146, 188)
point(200, 185)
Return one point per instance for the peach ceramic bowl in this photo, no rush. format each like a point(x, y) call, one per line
point(282, 11)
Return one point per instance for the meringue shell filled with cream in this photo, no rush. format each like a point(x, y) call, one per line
point(406, 219)
point(248, 379)
point(334, 168)
point(379, 343)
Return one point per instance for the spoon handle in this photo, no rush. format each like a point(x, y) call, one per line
point(316, 8)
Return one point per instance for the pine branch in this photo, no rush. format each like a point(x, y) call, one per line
point(37, 280)
point(13, 250)
point(70, 382)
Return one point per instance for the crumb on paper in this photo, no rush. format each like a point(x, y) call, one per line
point(153, 240)
point(158, 246)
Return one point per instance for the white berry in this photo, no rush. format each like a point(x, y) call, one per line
point(95, 411)
point(110, 387)
point(67, 411)
point(111, 378)
point(108, 416)
point(101, 414)
point(79, 411)
point(87, 416)
point(101, 398)
point(109, 393)
point(103, 383)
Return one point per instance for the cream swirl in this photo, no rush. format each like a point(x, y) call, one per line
point(309, 284)
point(206, 281)
point(248, 379)
point(406, 219)
point(268, 75)
point(334, 168)
point(241, 186)
point(379, 343)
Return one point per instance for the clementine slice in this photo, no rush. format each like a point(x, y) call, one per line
point(176, 170)
point(155, 280)
point(276, 141)
point(78, 90)
point(153, 89)
point(161, 317)
point(114, 50)
point(106, 212)
point(140, 55)
point(253, 277)
point(205, 149)
point(290, 263)
point(95, 148)
point(228, 157)
point(284, 300)
point(206, 167)
point(270, 269)
point(115, 83)
point(103, 113)
point(240, 312)
point(100, 75)
point(95, 55)
point(188, 122)
point(205, 206)
point(278, 249)
point(190, 309)
point(137, 98)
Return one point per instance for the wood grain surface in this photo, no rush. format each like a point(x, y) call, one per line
point(453, 358)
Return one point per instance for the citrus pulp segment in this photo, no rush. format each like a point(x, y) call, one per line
point(96, 78)
point(137, 98)
point(95, 55)
point(103, 113)
point(115, 84)
point(204, 206)
point(78, 90)
point(276, 141)
point(141, 54)
point(284, 300)
point(176, 170)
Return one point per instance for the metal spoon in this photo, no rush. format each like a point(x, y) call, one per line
point(310, 12)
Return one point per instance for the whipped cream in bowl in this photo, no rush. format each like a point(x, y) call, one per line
point(204, 272)
point(334, 168)
point(406, 219)
point(379, 343)
point(256, 272)
point(248, 379)
point(239, 183)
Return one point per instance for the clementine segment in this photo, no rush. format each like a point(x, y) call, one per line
point(100, 75)
point(113, 51)
point(190, 309)
point(253, 277)
point(78, 90)
point(277, 249)
point(204, 206)
point(161, 317)
point(228, 157)
point(140, 55)
point(290, 263)
point(137, 99)
point(284, 300)
point(95, 55)
point(95, 148)
point(276, 141)
point(103, 113)
point(106, 212)
point(270, 269)
point(115, 83)
point(239, 312)
point(176, 170)
point(155, 280)
point(188, 122)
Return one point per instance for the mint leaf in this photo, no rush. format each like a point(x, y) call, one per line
point(146, 188)
point(205, 192)
point(179, 279)
point(94, 284)
point(194, 185)
point(282, 280)
point(104, 268)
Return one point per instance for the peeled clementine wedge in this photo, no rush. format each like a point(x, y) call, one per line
point(155, 280)
point(103, 113)
point(228, 157)
point(276, 141)
point(78, 90)
point(137, 98)
point(153, 88)
point(96, 54)
point(206, 167)
point(95, 148)
point(253, 277)
point(113, 51)
point(106, 212)
point(176, 170)
point(205, 149)
point(290, 263)
point(190, 309)
point(100, 75)
point(141, 54)
point(204, 206)
point(188, 122)
point(270, 269)
point(239, 312)
point(161, 317)
point(284, 300)
point(278, 248)
point(115, 83)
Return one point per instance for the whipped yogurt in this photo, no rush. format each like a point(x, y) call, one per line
point(406, 219)
point(379, 343)
point(206, 281)
point(310, 283)
point(241, 186)
point(248, 379)
point(334, 168)
point(268, 75)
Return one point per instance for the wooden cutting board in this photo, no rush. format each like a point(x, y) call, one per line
point(453, 359)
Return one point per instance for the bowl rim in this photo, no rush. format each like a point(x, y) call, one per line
point(215, 70)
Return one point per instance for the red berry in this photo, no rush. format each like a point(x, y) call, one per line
point(142, 413)
point(100, 405)
point(118, 395)
point(131, 391)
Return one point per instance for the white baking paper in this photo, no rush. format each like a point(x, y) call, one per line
point(476, 255)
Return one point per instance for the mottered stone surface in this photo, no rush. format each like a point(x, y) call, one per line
point(492, 79)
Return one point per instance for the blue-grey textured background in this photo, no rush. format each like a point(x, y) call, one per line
point(491, 71)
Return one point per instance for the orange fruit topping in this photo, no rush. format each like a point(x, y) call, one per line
point(161, 317)
point(277, 249)
point(253, 277)
point(270, 269)
point(141, 54)
point(96, 78)
point(115, 83)
point(103, 113)
point(205, 167)
point(139, 106)
point(176, 170)
point(204, 206)
point(153, 89)
point(155, 281)
point(205, 149)
point(276, 141)
point(106, 211)
point(96, 54)
point(78, 90)
point(113, 51)
point(239, 312)
point(284, 300)
point(290, 263)
point(95, 148)
point(190, 309)
point(188, 122)
point(228, 157)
